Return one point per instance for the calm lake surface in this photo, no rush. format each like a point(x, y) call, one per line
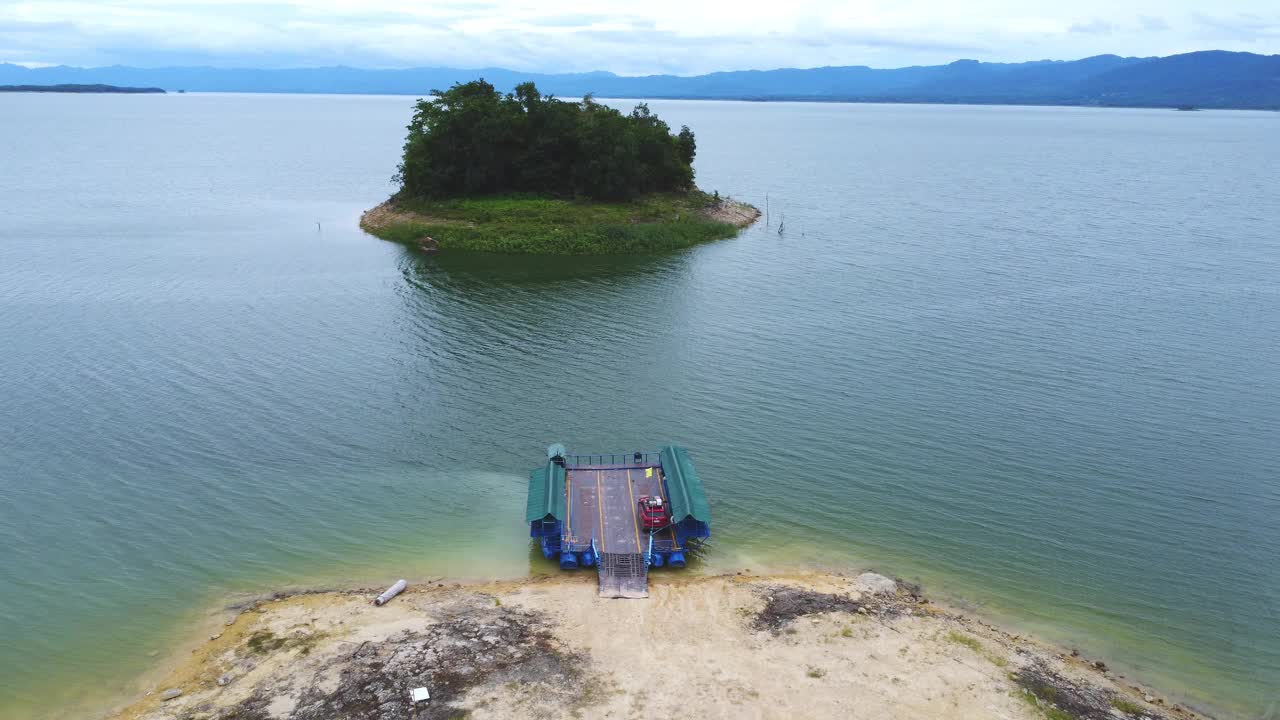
point(1026, 356)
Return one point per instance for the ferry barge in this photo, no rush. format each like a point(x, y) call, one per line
point(621, 513)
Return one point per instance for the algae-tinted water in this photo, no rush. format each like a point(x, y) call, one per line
point(1025, 355)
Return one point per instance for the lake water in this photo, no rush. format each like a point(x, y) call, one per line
point(1027, 356)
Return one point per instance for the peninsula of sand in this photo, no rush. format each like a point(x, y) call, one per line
point(811, 645)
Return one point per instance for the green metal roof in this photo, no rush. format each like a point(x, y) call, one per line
point(546, 493)
point(684, 486)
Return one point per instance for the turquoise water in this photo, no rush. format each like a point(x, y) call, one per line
point(1025, 355)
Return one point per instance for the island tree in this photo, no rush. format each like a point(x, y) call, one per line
point(471, 141)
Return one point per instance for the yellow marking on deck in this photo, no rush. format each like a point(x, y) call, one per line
point(600, 507)
point(635, 523)
point(648, 472)
point(568, 504)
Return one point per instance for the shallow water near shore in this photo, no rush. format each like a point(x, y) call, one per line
point(1024, 355)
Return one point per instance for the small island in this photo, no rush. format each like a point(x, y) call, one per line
point(524, 173)
point(80, 89)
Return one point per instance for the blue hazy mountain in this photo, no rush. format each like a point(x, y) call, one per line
point(1209, 79)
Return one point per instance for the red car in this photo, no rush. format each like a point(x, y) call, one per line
point(653, 512)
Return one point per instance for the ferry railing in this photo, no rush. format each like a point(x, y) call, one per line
point(638, 459)
point(660, 543)
point(540, 528)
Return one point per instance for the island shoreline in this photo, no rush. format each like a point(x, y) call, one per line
point(82, 89)
point(525, 225)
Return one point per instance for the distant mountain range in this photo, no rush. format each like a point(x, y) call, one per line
point(1209, 79)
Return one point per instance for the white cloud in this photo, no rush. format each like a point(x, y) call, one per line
point(1153, 22)
point(1096, 26)
point(629, 37)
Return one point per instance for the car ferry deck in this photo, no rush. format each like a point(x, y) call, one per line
point(622, 513)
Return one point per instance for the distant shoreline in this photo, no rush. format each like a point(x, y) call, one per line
point(1210, 79)
point(72, 88)
point(824, 100)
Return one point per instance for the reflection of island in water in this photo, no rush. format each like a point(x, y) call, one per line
point(81, 89)
point(458, 307)
point(543, 290)
point(474, 269)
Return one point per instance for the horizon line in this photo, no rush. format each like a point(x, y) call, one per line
point(35, 65)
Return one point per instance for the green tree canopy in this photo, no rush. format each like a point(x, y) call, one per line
point(472, 140)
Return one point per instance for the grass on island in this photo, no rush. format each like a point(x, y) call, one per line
point(1125, 706)
point(264, 642)
point(975, 645)
point(1043, 698)
point(521, 224)
point(961, 639)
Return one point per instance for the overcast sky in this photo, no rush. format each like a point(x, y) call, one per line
point(637, 37)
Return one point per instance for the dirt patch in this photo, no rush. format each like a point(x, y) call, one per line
point(784, 604)
point(477, 647)
point(1082, 701)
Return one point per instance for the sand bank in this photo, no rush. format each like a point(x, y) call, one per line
point(736, 646)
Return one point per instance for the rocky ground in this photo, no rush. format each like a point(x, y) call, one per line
point(812, 645)
point(738, 214)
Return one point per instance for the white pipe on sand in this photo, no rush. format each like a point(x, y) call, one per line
point(391, 592)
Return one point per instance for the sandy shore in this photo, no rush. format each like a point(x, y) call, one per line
point(735, 646)
point(738, 214)
point(388, 214)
